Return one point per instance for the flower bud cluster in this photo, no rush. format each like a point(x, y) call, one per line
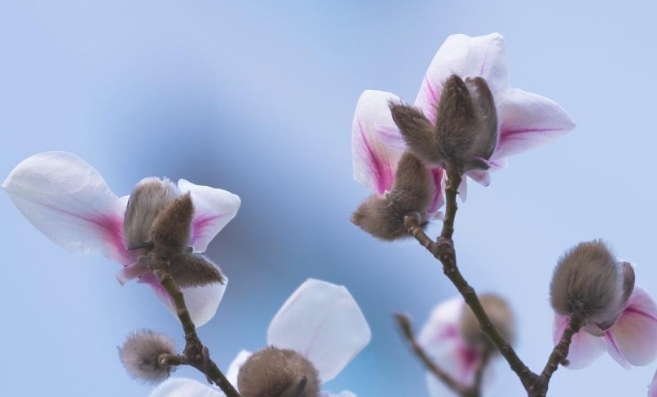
point(278, 372)
point(158, 222)
point(383, 217)
point(142, 352)
point(464, 134)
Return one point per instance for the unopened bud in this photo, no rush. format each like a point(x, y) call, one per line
point(279, 373)
point(466, 124)
point(590, 284)
point(194, 270)
point(418, 132)
point(172, 227)
point(500, 315)
point(383, 217)
point(140, 355)
point(147, 199)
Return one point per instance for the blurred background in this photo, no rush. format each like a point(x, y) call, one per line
point(258, 98)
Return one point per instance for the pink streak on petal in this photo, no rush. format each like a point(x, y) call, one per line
point(432, 109)
point(378, 167)
point(636, 329)
point(200, 226)
point(438, 199)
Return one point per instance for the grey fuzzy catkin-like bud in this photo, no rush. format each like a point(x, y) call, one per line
point(589, 284)
point(273, 372)
point(194, 270)
point(171, 228)
point(140, 355)
point(383, 217)
point(466, 123)
point(500, 314)
point(418, 132)
point(147, 199)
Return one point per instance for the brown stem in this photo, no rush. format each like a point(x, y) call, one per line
point(443, 250)
point(194, 354)
point(405, 326)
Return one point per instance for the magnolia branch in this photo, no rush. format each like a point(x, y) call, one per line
point(194, 354)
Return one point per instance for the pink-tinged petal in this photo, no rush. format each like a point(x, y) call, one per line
point(392, 138)
point(480, 176)
point(438, 175)
point(614, 350)
point(652, 388)
point(213, 209)
point(202, 302)
point(584, 348)
point(323, 322)
point(69, 201)
point(440, 333)
point(529, 120)
point(374, 162)
point(464, 56)
point(636, 330)
point(463, 189)
point(236, 365)
point(182, 387)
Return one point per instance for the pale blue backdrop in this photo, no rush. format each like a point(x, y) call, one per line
point(258, 98)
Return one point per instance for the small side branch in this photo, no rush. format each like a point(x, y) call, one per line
point(405, 326)
point(194, 354)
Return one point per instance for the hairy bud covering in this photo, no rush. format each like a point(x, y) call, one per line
point(589, 284)
point(194, 270)
point(383, 217)
point(418, 132)
point(466, 123)
point(273, 372)
point(500, 314)
point(147, 199)
point(140, 354)
point(171, 228)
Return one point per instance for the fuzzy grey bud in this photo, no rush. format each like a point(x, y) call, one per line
point(466, 124)
point(141, 353)
point(500, 314)
point(590, 284)
point(194, 270)
point(418, 132)
point(276, 372)
point(171, 228)
point(383, 217)
point(147, 199)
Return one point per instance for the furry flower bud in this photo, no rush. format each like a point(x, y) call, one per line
point(500, 314)
point(590, 284)
point(172, 226)
point(141, 353)
point(278, 372)
point(383, 217)
point(465, 132)
point(147, 199)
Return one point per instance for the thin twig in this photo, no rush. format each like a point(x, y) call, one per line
point(405, 326)
point(195, 354)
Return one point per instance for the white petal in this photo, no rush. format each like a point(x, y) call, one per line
point(323, 322)
point(636, 329)
point(181, 387)
point(480, 176)
point(374, 161)
point(202, 302)
point(440, 332)
point(236, 365)
point(584, 348)
point(69, 201)
point(464, 56)
point(528, 120)
point(213, 209)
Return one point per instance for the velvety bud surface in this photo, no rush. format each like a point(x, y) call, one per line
point(140, 355)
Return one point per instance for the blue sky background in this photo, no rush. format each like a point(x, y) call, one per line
point(258, 98)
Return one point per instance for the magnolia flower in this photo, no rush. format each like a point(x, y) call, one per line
point(442, 339)
point(525, 120)
point(69, 201)
point(630, 340)
point(320, 321)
